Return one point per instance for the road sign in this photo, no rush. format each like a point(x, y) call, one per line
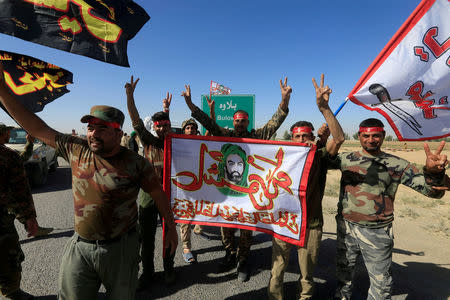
point(227, 105)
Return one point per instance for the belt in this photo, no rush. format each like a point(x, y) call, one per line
point(107, 241)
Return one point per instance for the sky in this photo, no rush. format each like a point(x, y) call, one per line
point(247, 46)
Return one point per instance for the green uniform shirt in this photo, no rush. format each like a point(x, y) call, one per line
point(369, 184)
point(104, 189)
point(15, 193)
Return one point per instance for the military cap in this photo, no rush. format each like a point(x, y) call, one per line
point(105, 113)
point(4, 128)
point(133, 133)
point(187, 122)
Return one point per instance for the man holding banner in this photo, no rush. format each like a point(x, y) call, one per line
point(370, 178)
point(148, 212)
point(240, 124)
point(106, 179)
point(307, 255)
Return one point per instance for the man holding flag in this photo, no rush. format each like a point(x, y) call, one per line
point(369, 182)
point(240, 124)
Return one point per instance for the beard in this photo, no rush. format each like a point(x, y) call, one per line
point(235, 177)
point(96, 145)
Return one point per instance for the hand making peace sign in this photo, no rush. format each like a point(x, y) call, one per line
point(322, 93)
point(435, 162)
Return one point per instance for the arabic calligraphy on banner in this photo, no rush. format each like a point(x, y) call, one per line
point(34, 82)
point(94, 28)
point(243, 183)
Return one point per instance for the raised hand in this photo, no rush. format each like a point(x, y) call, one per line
point(322, 94)
point(211, 102)
point(187, 93)
point(435, 162)
point(30, 138)
point(130, 86)
point(286, 90)
point(323, 133)
point(167, 101)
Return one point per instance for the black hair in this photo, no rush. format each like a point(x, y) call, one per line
point(302, 124)
point(160, 116)
point(371, 122)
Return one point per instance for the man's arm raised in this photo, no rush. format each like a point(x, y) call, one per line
point(322, 99)
point(199, 115)
point(27, 119)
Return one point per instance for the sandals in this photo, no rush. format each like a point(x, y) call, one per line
point(188, 257)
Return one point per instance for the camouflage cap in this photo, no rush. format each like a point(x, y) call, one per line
point(187, 122)
point(4, 127)
point(105, 113)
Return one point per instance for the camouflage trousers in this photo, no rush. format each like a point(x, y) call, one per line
point(375, 245)
point(11, 257)
point(85, 266)
point(148, 221)
point(229, 242)
point(185, 234)
point(307, 260)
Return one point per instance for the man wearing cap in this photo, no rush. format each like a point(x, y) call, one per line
point(240, 124)
point(189, 127)
point(148, 213)
point(302, 132)
point(106, 178)
point(132, 143)
point(15, 202)
point(369, 182)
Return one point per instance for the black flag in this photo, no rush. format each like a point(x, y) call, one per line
point(99, 29)
point(34, 82)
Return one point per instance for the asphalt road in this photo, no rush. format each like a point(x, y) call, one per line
point(54, 207)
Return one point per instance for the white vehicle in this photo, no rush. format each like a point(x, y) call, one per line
point(42, 161)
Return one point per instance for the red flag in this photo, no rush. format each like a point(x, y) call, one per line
point(409, 81)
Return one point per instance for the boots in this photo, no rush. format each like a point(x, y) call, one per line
point(228, 262)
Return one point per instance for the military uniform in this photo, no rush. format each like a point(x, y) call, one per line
point(263, 133)
point(148, 212)
point(105, 246)
point(15, 202)
point(308, 254)
point(366, 212)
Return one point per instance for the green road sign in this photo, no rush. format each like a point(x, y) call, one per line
point(227, 105)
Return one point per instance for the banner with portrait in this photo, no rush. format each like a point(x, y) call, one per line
point(242, 183)
point(34, 82)
point(98, 29)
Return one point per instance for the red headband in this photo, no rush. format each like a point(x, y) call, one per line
point(371, 129)
point(301, 129)
point(240, 116)
point(162, 122)
point(97, 121)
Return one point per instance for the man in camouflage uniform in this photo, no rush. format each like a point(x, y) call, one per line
point(148, 212)
point(189, 127)
point(240, 124)
point(15, 202)
point(370, 178)
point(106, 179)
point(308, 254)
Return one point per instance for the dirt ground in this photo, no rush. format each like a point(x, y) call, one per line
point(421, 227)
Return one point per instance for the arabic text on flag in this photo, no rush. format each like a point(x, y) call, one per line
point(409, 82)
point(94, 28)
point(242, 183)
point(34, 83)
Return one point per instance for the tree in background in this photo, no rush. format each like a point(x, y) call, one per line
point(286, 135)
point(355, 136)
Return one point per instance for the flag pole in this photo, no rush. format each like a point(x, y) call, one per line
point(340, 107)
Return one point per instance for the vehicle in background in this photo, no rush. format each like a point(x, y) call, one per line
point(42, 161)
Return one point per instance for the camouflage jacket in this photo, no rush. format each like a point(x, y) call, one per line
point(154, 153)
point(263, 133)
point(369, 184)
point(104, 189)
point(15, 193)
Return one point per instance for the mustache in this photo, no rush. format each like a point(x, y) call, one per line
point(95, 140)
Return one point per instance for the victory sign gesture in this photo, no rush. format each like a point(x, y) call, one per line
point(435, 162)
point(322, 93)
